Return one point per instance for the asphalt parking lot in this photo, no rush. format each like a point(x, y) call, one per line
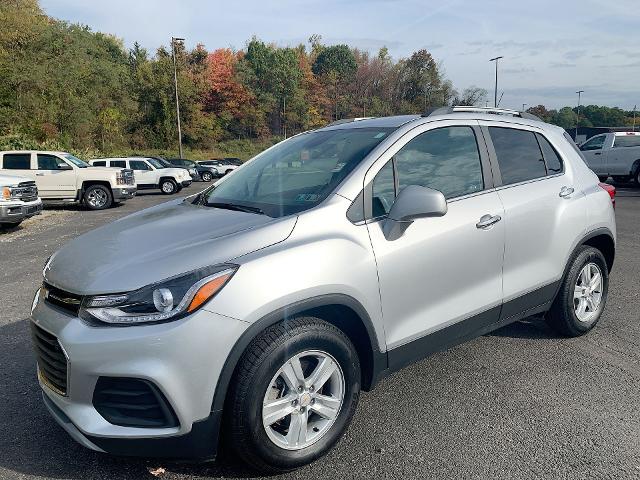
point(520, 403)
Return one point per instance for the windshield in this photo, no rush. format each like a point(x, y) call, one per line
point(157, 163)
point(76, 161)
point(298, 173)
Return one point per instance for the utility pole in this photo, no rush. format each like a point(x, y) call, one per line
point(634, 118)
point(523, 106)
point(579, 92)
point(175, 81)
point(495, 92)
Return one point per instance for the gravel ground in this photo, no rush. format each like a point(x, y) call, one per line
point(520, 403)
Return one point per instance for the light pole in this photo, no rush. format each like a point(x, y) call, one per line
point(175, 81)
point(495, 93)
point(579, 92)
point(634, 118)
point(524, 105)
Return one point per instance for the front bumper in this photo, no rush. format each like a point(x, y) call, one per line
point(183, 359)
point(186, 183)
point(13, 212)
point(124, 193)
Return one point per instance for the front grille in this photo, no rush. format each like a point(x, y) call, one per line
point(25, 191)
point(69, 302)
point(132, 402)
point(127, 175)
point(52, 362)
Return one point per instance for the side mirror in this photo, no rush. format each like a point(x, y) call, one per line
point(412, 203)
point(64, 166)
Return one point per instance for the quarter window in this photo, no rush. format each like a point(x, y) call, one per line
point(100, 163)
point(118, 163)
point(383, 192)
point(551, 157)
point(445, 159)
point(17, 161)
point(518, 153)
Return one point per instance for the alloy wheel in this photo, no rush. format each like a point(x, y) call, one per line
point(303, 400)
point(97, 198)
point(587, 294)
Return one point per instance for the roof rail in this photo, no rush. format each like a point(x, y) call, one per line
point(489, 110)
point(347, 120)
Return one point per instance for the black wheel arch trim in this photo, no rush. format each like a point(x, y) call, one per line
point(378, 362)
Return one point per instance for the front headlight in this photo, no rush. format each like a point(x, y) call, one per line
point(170, 299)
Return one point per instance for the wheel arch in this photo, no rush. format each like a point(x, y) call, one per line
point(602, 239)
point(89, 183)
point(342, 311)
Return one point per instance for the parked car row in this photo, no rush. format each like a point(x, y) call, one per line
point(615, 154)
point(29, 177)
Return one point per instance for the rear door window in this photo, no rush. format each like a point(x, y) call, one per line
point(17, 161)
point(118, 163)
point(519, 155)
point(622, 141)
point(100, 163)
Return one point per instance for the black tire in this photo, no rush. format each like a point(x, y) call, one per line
point(97, 197)
point(260, 362)
point(168, 186)
point(206, 176)
point(603, 178)
point(8, 226)
point(228, 171)
point(562, 315)
point(636, 177)
point(619, 179)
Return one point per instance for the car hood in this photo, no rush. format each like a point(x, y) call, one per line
point(158, 243)
point(12, 180)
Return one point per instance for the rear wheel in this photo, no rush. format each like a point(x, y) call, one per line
point(583, 294)
point(293, 396)
point(97, 197)
point(168, 186)
point(636, 177)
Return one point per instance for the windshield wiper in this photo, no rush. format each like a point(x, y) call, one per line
point(235, 206)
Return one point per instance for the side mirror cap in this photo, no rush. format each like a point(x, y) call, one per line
point(412, 203)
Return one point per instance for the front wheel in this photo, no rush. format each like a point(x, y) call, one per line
point(583, 294)
point(293, 396)
point(98, 197)
point(168, 186)
point(206, 176)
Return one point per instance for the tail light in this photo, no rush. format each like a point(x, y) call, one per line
point(611, 190)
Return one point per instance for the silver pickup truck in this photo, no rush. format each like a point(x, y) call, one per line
point(18, 200)
point(614, 154)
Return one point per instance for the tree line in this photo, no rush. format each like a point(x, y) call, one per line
point(64, 85)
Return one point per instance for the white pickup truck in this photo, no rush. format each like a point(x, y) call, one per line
point(61, 177)
point(615, 154)
point(18, 200)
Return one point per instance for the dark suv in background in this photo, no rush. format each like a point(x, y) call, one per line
point(198, 172)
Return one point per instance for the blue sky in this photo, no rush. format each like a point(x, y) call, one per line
point(551, 48)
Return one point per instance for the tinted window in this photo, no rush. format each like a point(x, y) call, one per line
point(551, 157)
point(627, 141)
point(50, 162)
point(383, 191)
point(17, 161)
point(118, 163)
point(445, 159)
point(139, 165)
point(100, 163)
point(519, 155)
point(594, 143)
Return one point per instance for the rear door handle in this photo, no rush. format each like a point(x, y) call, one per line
point(565, 192)
point(598, 153)
point(487, 221)
point(39, 174)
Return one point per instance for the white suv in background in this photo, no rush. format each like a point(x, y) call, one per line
point(222, 165)
point(62, 177)
point(150, 173)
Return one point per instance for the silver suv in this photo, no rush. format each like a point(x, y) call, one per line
point(325, 263)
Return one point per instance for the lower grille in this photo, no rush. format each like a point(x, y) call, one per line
point(132, 402)
point(26, 191)
point(52, 362)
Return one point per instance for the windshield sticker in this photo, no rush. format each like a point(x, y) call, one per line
point(307, 197)
point(380, 135)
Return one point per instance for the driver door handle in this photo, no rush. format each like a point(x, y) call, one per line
point(598, 153)
point(487, 221)
point(39, 174)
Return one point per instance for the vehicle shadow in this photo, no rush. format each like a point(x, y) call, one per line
point(32, 443)
point(531, 328)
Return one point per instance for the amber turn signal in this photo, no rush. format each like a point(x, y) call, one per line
point(208, 290)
